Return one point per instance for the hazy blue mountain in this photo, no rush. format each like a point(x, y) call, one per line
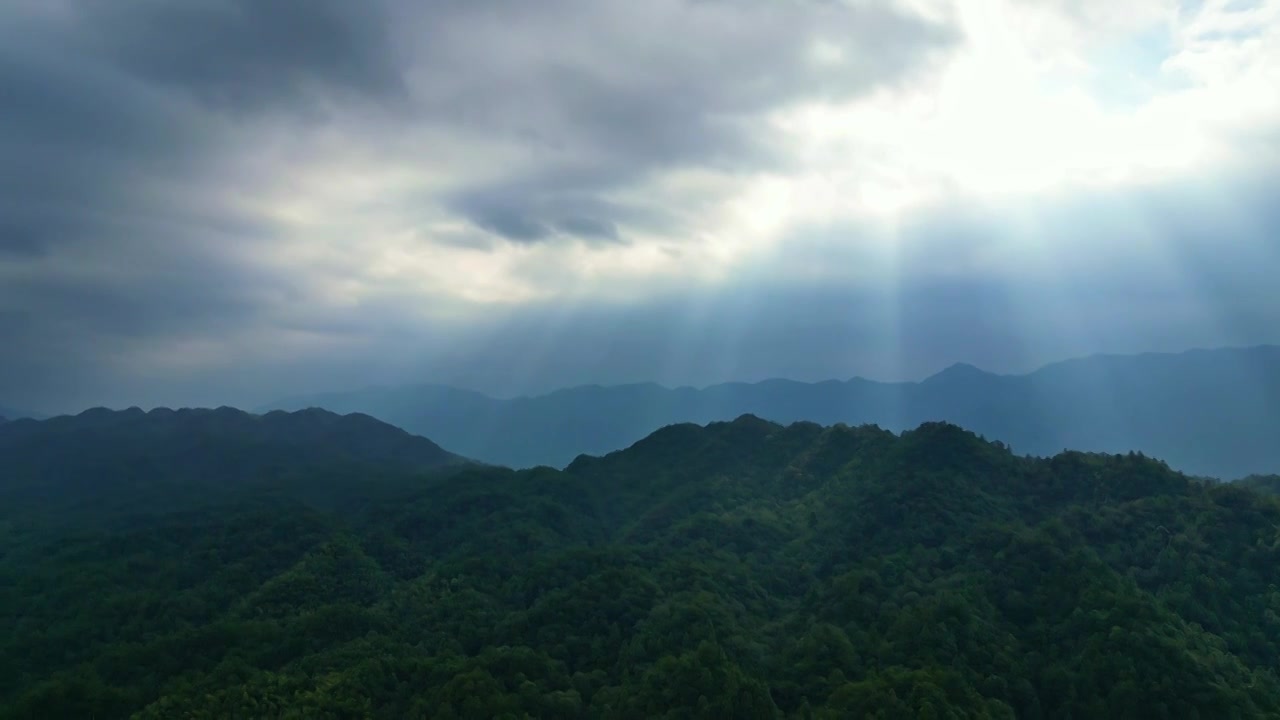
point(127, 459)
point(1206, 412)
point(8, 413)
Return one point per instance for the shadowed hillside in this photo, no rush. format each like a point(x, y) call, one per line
point(1212, 413)
point(743, 569)
point(127, 460)
point(1262, 483)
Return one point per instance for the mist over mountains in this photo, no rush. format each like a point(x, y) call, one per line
point(1205, 412)
point(268, 244)
point(8, 413)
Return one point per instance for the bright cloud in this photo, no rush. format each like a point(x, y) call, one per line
point(408, 187)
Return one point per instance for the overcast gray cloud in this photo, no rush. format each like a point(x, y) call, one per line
point(606, 93)
point(246, 54)
point(224, 200)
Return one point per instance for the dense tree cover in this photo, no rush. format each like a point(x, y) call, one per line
point(742, 569)
point(1264, 483)
point(103, 463)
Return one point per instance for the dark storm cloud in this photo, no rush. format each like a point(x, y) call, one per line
point(247, 53)
point(553, 204)
point(73, 138)
point(113, 234)
point(99, 95)
point(104, 102)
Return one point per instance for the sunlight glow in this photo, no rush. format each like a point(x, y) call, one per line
point(1037, 102)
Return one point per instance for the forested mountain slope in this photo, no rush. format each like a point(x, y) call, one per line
point(132, 461)
point(1263, 483)
point(743, 569)
point(1206, 412)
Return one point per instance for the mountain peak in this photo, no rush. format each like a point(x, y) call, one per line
point(752, 420)
point(959, 371)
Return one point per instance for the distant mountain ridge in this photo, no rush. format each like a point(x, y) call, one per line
point(1206, 412)
point(8, 413)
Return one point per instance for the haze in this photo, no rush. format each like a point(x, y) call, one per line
point(227, 201)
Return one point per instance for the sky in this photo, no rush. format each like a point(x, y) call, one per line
point(228, 201)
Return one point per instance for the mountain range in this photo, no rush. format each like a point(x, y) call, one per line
point(1206, 412)
point(103, 462)
point(8, 413)
point(302, 565)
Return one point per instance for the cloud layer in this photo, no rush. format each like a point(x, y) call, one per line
point(223, 200)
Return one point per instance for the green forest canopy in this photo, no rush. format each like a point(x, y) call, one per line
point(742, 569)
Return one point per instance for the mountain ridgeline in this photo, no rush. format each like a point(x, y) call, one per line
point(741, 569)
point(8, 413)
point(1263, 483)
point(1211, 413)
point(103, 461)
